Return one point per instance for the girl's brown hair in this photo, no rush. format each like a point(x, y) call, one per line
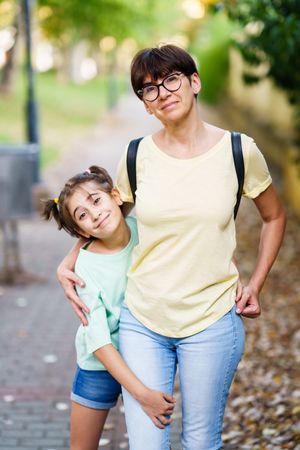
point(159, 62)
point(57, 208)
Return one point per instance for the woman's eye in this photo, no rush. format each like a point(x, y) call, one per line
point(149, 89)
point(172, 78)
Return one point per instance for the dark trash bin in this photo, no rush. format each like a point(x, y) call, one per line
point(18, 166)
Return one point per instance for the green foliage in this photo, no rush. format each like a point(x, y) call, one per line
point(72, 20)
point(8, 10)
point(273, 37)
point(211, 49)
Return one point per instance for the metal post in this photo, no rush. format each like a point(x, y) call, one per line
point(31, 106)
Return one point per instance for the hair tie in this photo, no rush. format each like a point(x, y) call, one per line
point(87, 171)
point(55, 200)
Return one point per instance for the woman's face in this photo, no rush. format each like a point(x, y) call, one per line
point(173, 107)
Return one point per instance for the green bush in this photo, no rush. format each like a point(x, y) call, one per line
point(211, 48)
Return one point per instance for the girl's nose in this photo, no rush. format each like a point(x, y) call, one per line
point(96, 214)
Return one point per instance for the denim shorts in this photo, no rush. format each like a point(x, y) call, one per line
point(95, 389)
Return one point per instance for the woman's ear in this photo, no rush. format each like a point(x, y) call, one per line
point(196, 83)
point(116, 196)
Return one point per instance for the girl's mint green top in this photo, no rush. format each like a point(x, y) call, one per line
point(105, 279)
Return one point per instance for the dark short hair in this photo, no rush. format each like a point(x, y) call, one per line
point(159, 62)
point(58, 208)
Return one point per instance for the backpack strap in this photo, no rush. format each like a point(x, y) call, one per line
point(237, 153)
point(131, 164)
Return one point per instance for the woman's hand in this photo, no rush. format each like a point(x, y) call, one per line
point(157, 405)
point(68, 280)
point(247, 301)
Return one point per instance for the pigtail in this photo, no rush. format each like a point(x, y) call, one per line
point(102, 176)
point(50, 210)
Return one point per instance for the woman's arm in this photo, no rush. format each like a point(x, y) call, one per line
point(68, 280)
point(157, 405)
point(272, 231)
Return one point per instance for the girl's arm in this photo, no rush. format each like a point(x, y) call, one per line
point(68, 280)
point(272, 231)
point(157, 405)
point(98, 341)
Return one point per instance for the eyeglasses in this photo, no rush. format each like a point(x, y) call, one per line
point(151, 92)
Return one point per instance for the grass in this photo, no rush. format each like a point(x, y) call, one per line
point(65, 112)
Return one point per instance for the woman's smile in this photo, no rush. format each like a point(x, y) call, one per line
point(170, 105)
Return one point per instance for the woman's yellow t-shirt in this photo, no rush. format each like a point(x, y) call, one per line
point(182, 278)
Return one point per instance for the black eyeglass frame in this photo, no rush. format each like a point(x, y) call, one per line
point(140, 91)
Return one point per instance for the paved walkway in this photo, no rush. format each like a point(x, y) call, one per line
point(38, 325)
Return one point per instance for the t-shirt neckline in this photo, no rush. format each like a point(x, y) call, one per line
point(207, 154)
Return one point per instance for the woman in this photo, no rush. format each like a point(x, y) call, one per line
point(182, 308)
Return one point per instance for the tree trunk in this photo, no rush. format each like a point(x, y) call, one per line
point(9, 69)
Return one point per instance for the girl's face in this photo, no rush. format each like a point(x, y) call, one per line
point(95, 212)
point(172, 107)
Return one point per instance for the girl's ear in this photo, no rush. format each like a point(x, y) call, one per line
point(82, 233)
point(116, 196)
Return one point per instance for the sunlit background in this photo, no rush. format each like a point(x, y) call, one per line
point(81, 52)
point(81, 105)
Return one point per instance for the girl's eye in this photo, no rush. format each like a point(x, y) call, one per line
point(82, 216)
point(97, 200)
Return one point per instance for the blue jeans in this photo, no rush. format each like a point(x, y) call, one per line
point(207, 362)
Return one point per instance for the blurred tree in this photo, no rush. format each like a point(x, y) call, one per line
point(75, 20)
point(9, 20)
point(211, 47)
point(70, 22)
point(272, 36)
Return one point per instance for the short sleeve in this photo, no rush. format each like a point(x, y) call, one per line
point(257, 175)
point(122, 183)
point(97, 333)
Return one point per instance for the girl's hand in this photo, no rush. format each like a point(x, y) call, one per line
point(247, 302)
point(157, 405)
point(68, 281)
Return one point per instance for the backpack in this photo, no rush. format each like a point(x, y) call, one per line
point(237, 153)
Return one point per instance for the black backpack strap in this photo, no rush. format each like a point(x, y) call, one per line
point(131, 164)
point(237, 153)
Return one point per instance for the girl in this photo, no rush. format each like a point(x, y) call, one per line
point(88, 207)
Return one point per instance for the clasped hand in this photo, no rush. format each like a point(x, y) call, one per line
point(158, 406)
point(247, 301)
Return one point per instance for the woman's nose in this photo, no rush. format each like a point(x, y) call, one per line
point(163, 92)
